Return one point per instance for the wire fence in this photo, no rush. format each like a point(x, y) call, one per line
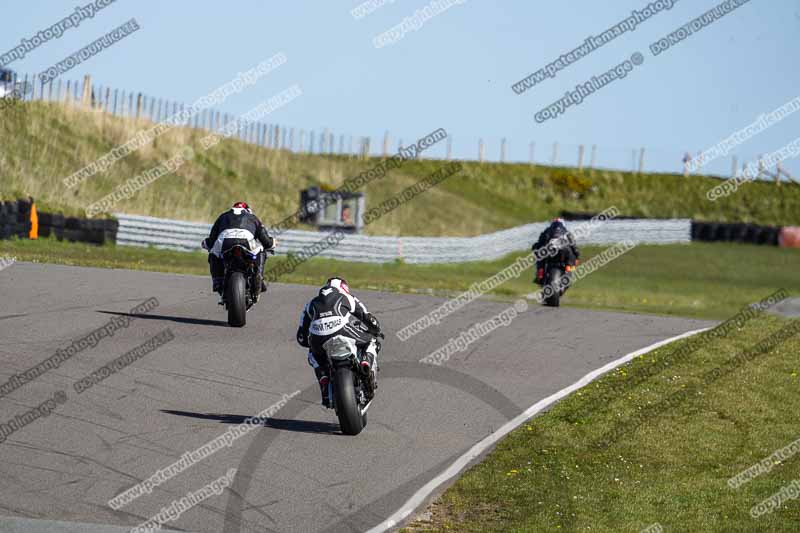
point(140, 106)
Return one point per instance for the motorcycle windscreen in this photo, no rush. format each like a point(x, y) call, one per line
point(340, 347)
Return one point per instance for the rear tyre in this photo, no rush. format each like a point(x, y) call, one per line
point(351, 420)
point(236, 299)
point(554, 282)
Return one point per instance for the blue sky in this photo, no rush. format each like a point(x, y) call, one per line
point(456, 71)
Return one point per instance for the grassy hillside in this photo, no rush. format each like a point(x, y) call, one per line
point(42, 143)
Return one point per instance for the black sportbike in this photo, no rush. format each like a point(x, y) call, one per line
point(351, 388)
point(556, 278)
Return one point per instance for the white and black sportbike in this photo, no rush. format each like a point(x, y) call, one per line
point(237, 248)
point(342, 338)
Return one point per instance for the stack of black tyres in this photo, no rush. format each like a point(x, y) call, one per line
point(23, 218)
point(15, 221)
point(735, 232)
point(8, 219)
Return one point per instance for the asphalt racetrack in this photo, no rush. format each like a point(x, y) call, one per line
point(296, 472)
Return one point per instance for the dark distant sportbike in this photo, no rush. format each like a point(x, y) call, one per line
point(556, 256)
point(556, 278)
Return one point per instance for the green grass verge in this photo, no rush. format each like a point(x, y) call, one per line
point(696, 280)
point(671, 469)
point(44, 143)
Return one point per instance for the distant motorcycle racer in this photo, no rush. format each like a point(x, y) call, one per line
point(238, 225)
point(558, 241)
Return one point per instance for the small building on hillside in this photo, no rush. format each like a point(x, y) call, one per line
point(329, 209)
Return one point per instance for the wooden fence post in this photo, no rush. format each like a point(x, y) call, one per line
point(554, 160)
point(386, 144)
point(593, 159)
point(532, 152)
point(87, 89)
point(449, 148)
point(734, 167)
point(481, 149)
point(503, 150)
point(138, 106)
point(580, 158)
point(641, 160)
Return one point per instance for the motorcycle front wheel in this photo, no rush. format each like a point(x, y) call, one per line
point(554, 281)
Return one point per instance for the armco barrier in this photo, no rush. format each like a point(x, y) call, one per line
point(137, 230)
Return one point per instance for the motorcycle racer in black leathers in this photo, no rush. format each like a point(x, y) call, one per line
point(238, 225)
point(334, 311)
point(553, 241)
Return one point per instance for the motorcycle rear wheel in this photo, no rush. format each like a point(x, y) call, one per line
point(348, 411)
point(236, 300)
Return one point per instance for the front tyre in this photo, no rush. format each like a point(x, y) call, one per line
point(347, 409)
point(554, 282)
point(236, 299)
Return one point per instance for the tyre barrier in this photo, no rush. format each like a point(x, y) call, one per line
point(15, 221)
point(735, 232)
point(576, 216)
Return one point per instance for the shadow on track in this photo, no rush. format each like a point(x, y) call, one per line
point(178, 319)
point(299, 426)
